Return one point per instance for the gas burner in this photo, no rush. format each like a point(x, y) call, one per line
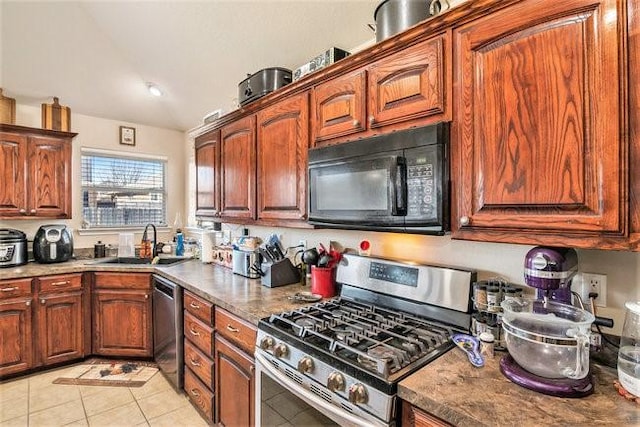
point(381, 352)
point(341, 332)
point(339, 313)
point(306, 322)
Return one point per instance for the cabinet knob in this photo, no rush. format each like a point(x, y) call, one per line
point(465, 220)
point(43, 301)
point(28, 303)
point(146, 296)
point(356, 123)
point(372, 120)
point(32, 211)
point(23, 211)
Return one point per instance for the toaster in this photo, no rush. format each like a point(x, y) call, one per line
point(246, 263)
point(52, 243)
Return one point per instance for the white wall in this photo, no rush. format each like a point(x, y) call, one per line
point(101, 133)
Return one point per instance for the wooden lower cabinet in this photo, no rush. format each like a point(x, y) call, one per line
point(15, 335)
point(235, 385)
point(414, 417)
point(199, 394)
point(60, 327)
point(122, 323)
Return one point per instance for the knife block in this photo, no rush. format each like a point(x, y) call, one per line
point(279, 273)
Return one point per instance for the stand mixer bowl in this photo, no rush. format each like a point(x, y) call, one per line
point(547, 338)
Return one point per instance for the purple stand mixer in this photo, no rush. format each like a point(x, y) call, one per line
point(550, 271)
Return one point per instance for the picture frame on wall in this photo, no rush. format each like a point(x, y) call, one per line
point(127, 135)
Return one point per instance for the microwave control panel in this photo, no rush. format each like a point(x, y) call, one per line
point(422, 191)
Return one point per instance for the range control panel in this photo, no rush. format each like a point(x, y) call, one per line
point(401, 275)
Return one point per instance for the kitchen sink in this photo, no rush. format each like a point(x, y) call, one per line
point(143, 261)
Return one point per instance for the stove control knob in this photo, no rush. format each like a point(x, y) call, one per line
point(335, 382)
point(267, 343)
point(280, 350)
point(358, 394)
point(305, 365)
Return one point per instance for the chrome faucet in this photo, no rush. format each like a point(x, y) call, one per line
point(154, 244)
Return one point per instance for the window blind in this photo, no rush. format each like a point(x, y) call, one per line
point(118, 191)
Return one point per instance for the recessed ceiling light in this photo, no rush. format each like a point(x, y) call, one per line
point(154, 89)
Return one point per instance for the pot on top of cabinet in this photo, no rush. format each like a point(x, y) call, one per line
point(52, 243)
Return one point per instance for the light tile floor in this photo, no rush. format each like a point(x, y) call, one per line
point(34, 401)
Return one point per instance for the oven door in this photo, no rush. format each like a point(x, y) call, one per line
point(362, 190)
point(281, 400)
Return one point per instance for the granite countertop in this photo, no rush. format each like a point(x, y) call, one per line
point(452, 389)
point(448, 388)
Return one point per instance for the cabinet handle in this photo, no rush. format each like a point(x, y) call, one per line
point(43, 301)
point(465, 220)
point(33, 211)
point(194, 305)
point(372, 120)
point(356, 123)
point(194, 363)
point(194, 392)
point(232, 329)
point(66, 282)
point(23, 211)
point(194, 333)
point(15, 288)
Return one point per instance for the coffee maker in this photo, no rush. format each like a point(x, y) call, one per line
point(550, 270)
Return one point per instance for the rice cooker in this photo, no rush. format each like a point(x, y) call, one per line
point(13, 247)
point(52, 243)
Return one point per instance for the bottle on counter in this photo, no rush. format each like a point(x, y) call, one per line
point(99, 250)
point(179, 243)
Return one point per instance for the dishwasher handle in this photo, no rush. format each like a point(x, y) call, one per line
point(164, 286)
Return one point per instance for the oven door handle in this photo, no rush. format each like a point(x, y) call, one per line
point(320, 404)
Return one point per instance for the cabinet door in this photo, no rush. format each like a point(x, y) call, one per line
point(60, 327)
point(536, 143)
point(235, 385)
point(238, 152)
point(283, 142)
point(122, 323)
point(339, 107)
point(408, 85)
point(207, 150)
point(49, 177)
point(16, 351)
point(13, 160)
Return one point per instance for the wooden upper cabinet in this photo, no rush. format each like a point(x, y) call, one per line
point(238, 177)
point(283, 142)
point(13, 158)
point(37, 163)
point(50, 177)
point(408, 85)
point(207, 151)
point(338, 107)
point(536, 141)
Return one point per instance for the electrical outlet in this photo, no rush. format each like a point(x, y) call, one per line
point(303, 243)
point(593, 282)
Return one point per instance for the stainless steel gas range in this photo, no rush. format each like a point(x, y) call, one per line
point(344, 357)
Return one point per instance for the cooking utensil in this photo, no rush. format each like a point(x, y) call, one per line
point(310, 256)
point(394, 16)
point(324, 260)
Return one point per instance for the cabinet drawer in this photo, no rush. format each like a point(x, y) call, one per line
point(235, 329)
point(199, 363)
point(199, 395)
point(15, 288)
point(122, 280)
point(200, 308)
point(63, 282)
point(199, 334)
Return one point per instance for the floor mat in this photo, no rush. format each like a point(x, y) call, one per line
point(110, 373)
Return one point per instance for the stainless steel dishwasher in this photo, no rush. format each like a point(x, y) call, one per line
point(167, 330)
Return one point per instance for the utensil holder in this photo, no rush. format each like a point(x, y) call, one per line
point(323, 281)
point(279, 273)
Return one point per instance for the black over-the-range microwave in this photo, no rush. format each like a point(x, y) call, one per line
point(395, 182)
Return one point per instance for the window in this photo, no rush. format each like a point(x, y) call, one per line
point(122, 191)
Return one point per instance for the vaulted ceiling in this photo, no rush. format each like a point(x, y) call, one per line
point(96, 56)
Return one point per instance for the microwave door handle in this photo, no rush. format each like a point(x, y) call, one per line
point(400, 188)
